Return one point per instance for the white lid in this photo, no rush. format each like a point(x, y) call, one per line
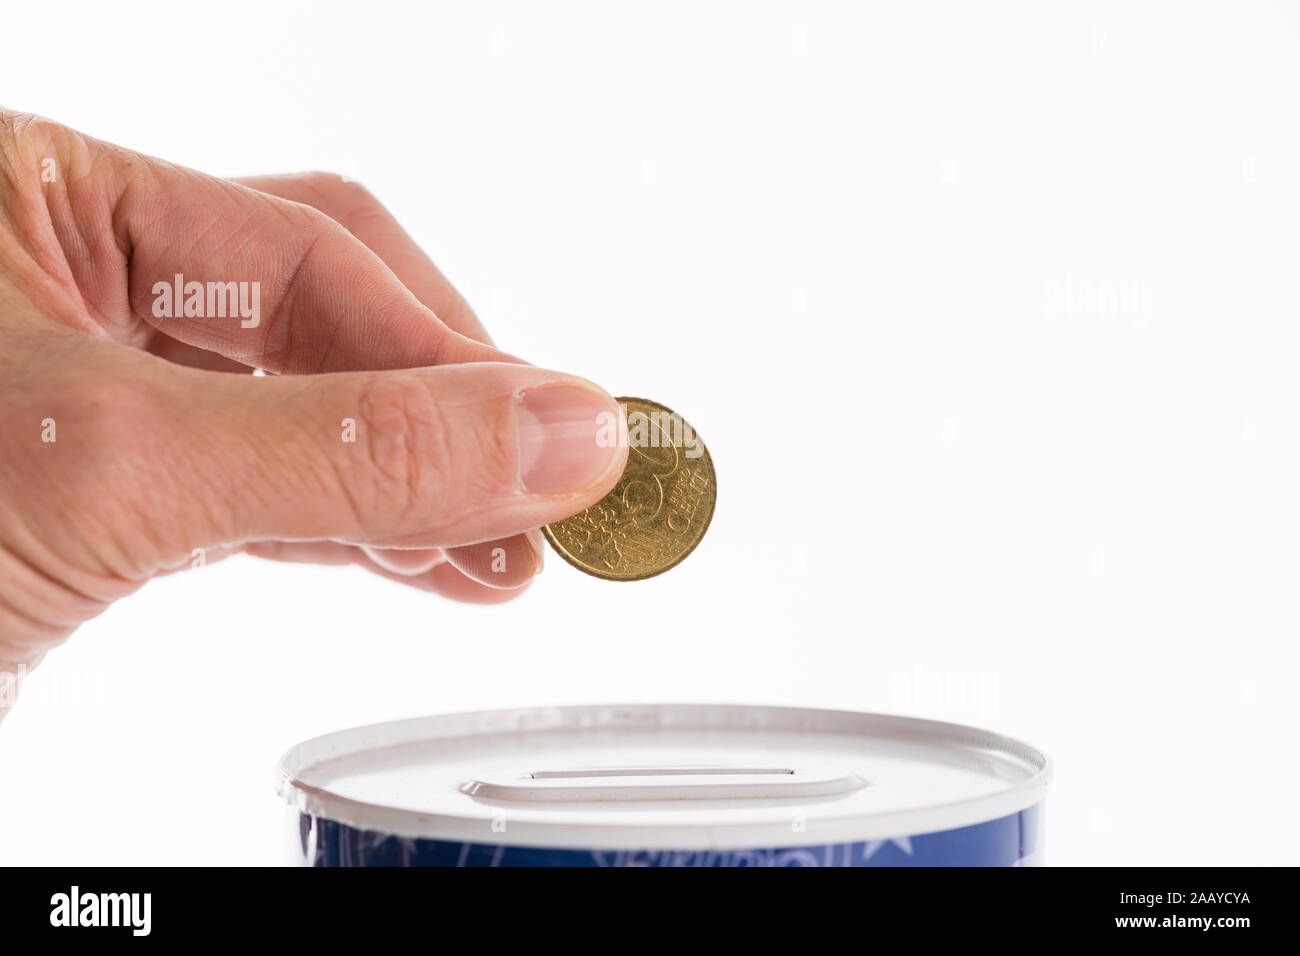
point(662, 776)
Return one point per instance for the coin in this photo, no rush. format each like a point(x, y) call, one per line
point(659, 510)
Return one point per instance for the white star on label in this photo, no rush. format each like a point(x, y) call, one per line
point(874, 846)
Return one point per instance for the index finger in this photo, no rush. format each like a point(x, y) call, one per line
point(353, 207)
point(262, 280)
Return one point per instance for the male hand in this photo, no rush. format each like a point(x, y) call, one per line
point(388, 431)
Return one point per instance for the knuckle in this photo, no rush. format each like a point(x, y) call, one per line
point(33, 146)
point(403, 434)
point(427, 466)
point(29, 133)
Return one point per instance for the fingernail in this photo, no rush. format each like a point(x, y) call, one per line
point(568, 438)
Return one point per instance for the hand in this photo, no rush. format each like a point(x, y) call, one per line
point(388, 431)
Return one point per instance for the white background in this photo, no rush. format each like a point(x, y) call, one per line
point(987, 312)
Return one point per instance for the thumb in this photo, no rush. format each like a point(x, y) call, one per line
point(429, 458)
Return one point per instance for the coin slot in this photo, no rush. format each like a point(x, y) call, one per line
point(654, 772)
point(664, 782)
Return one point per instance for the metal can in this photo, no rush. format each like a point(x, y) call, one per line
point(666, 785)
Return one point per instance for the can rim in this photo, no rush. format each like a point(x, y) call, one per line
point(320, 801)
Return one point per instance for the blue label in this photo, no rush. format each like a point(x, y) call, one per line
point(1009, 841)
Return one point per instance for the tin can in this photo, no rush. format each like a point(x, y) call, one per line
point(665, 785)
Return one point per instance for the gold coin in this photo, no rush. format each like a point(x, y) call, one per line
point(659, 510)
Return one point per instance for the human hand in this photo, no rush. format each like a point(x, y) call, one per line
point(388, 431)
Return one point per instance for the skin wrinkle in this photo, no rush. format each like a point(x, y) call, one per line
point(392, 409)
point(115, 583)
point(245, 240)
point(354, 506)
point(17, 520)
point(73, 161)
point(378, 290)
point(156, 326)
point(122, 224)
point(440, 333)
point(495, 445)
point(55, 259)
point(213, 522)
point(438, 435)
point(82, 607)
point(331, 337)
point(369, 211)
point(144, 317)
point(96, 248)
point(443, 455)
point(55, 296)
point(198, 240)
point(258, 493)
point(137, 266)
point(29, 650)
point(246, 237)
point(443, 529)
point(218, 502)
point(290, 346)
point(468, 515)
point(274, 469)
point(125, 537)
point(248, 221)
point(133, 413)
point(84, 604)
point(242, 423)
point(33, 553)
point(86, 207)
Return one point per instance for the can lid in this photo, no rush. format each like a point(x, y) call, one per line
point(662, 776)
